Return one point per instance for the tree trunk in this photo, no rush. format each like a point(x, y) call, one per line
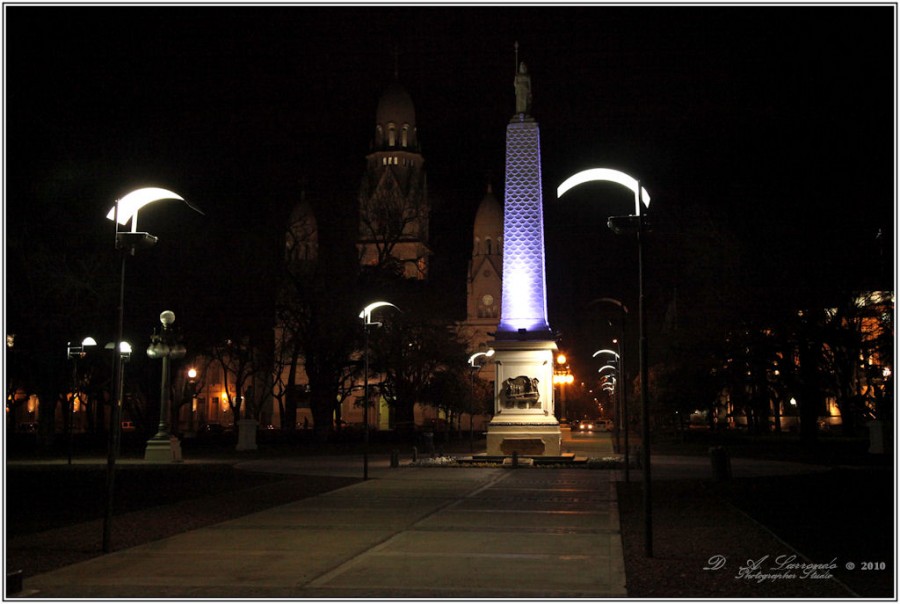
point(289, 411)
point(322, 409)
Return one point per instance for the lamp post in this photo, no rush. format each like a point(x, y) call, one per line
point(74, 353)
point(562, 377)
point(192, 384)
point(122, 352)
point(164, 346)
point(366, 316)
point(623, 394)
point(128, 242)
point(623, 224)
point(475, 369)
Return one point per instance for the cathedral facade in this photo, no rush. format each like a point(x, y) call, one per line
point(393, 196)
point(393, 233)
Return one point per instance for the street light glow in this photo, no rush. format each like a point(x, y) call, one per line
point(606, 351)
point(129, 205)
point(366, 313)
point(608, 175)
point(489, 354)
point(606, 367)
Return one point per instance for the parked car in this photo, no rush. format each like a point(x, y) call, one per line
point(127, 426)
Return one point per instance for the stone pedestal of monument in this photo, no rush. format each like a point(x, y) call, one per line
point(524, 421)
point(247, 434)
point(163, 449)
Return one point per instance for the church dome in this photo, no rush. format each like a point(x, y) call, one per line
point(395, 119)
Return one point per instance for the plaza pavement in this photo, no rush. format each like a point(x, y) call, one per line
point(407, 532)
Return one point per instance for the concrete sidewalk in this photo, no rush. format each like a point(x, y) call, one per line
point(407, 532)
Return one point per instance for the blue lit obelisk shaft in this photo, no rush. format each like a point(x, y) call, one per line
point(524, 296)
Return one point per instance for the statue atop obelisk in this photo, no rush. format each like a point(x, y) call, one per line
point(524, 420)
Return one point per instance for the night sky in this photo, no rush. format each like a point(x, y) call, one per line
point(764, 134)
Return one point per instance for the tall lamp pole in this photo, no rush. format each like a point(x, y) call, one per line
point(74, 353)
point(476, 367)
point(366, 316)
point(623, 380)
point(164, 346)
point(128, 242)
point(619, 225)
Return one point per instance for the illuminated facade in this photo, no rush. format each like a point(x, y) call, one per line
point(393, 196)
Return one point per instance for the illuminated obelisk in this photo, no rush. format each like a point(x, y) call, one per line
point(524, 420)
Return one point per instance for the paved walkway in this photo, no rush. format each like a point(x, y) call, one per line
point(407, 532)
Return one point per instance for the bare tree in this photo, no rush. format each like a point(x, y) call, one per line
point(394, 224)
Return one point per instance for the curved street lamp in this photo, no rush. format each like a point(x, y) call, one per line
point(125, 209)
point(476, 367)
point(366, 316)
point(619, 225)
point(607, 175)
point(622, 424)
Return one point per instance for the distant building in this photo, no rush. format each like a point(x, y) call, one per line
point(393, 234)
point(393, 195)
point(484, 281)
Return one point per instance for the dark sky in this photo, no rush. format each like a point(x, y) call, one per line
point(771, 126)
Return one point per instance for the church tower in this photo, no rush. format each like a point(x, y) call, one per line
point(486, 266)
point(484, 281)
point(393, 196)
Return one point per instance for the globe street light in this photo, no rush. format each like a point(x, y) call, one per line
point(164, 346)
point(476, 367)
point(191, 384)
point(74, 353)
point(122, 356)
point(128, 242)
point(619, 225)
point(366, 316)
